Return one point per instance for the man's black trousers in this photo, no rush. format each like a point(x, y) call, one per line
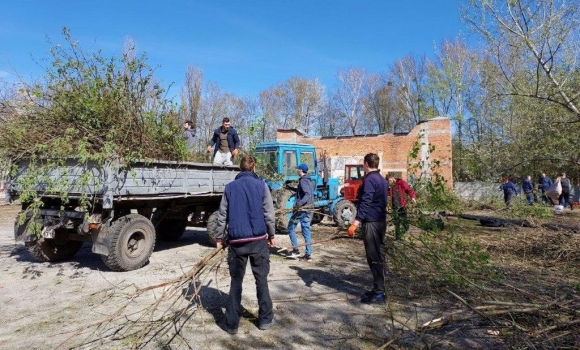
point(259, 257)
point(374, 241)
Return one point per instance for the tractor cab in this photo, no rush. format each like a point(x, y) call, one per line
point(353, 179)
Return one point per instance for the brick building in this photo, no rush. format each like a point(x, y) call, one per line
point(393, 149)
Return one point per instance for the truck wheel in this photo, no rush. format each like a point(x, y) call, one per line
point(132, 241)
point(344, 213)
point(212, 222)
point(168, 229)
point(53, 250)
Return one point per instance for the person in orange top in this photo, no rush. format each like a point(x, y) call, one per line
point(399, 189)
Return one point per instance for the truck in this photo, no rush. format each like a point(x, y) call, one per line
point(121, 209)
point(277, 162)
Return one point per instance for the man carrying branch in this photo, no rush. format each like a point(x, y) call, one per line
point(246, 223)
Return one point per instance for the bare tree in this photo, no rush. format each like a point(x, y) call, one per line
point(409, 81)
point(191, 94)
point(296, 103)
point(544, 33)
point(383, 109)
point(348, 95)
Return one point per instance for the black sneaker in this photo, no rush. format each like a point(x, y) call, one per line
point(293, 254)
point(265, 326)
point(305, 257)
point(372, 297)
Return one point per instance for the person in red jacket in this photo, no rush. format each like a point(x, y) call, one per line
point(399, 189)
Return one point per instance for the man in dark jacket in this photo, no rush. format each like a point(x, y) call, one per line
point(300, 216)
point(225, 143)
point(371, 215)
point(509, 190)
point(246, 222)
point(564, 198)
point(544, 183)
point(189, 134)
point(528, 188)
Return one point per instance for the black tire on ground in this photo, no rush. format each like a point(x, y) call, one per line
point(344, 213)
point(53, 250)
point(132, 240)
point(212, 222)
point(168, 229)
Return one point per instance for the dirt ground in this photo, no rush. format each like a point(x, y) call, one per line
point(316, 304)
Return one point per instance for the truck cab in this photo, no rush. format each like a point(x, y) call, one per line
point(353, 179)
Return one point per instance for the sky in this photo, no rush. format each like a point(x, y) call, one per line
point(243, 46)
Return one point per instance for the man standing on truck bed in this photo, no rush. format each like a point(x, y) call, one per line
point(226, 142)
point(189, 134)
point(246, 209)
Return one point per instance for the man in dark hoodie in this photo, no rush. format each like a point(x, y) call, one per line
point(371, 214)
point(189, 134)
point(302, 217)
point(246, 221)
point(544, 183)
point(564, 198)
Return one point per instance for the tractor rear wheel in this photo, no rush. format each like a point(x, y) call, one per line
point(344, 213)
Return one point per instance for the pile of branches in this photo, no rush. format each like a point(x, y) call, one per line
point(521, 296)
point(89, 106)
point(149, 316)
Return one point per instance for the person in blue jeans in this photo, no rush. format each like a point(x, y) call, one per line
point(528, 188)
point(300, 216)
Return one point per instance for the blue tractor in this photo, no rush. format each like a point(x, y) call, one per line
point(277, 162)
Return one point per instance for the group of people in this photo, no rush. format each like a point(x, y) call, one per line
point(224, 143)
point(246, 224)
point(546, 186)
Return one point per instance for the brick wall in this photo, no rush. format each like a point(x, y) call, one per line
point(393, 149)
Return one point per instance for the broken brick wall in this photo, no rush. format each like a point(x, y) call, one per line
point(393, 149)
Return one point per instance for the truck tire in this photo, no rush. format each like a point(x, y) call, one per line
point(344, 213)
point(212, 222)
point(54, 249)
point(168, 229)
point(132, 240)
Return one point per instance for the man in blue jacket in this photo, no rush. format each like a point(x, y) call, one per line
point(301, 216)
point(371, 214)
point(225, 143)
point(246, 222)
point(528, 188)
point(544, 183)
point(509, 190)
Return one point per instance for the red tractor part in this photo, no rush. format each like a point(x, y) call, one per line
point(353, 178)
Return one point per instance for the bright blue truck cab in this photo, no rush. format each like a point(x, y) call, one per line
point(277, 162)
